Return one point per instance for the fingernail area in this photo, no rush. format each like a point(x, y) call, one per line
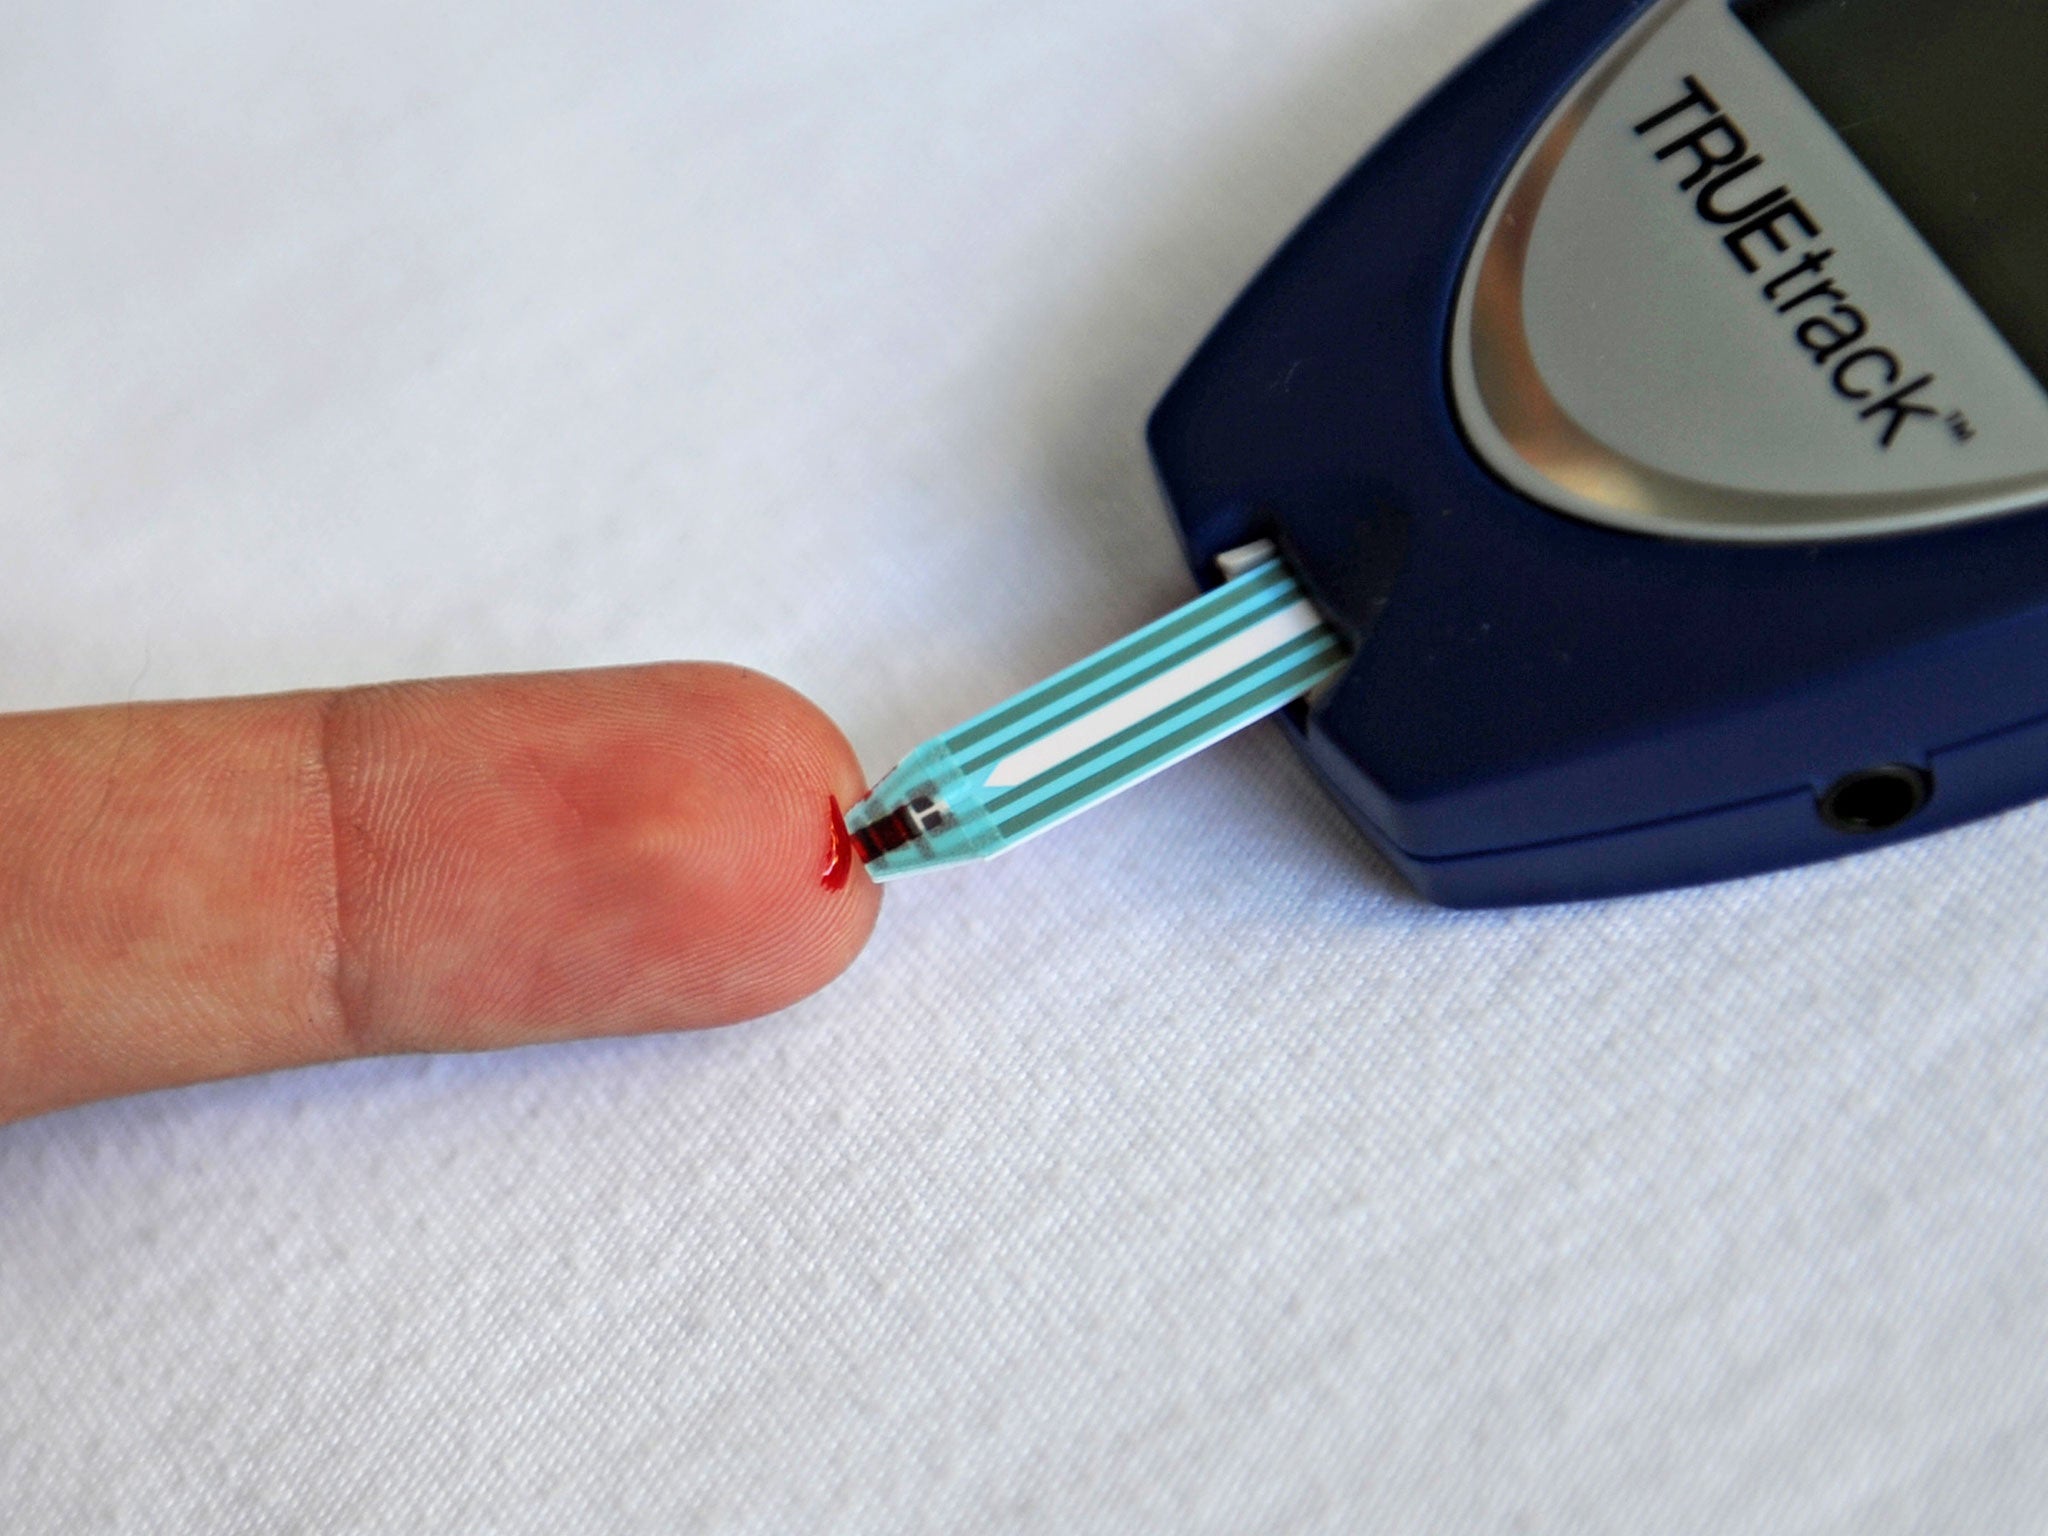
point(839, 858)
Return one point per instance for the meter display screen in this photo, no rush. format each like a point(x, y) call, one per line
point(1946, 104)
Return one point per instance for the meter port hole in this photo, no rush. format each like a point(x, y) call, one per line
point(1874, 800)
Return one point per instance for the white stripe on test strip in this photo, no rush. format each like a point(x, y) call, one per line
point(1149, 699)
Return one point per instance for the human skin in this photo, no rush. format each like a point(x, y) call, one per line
point(200, 890)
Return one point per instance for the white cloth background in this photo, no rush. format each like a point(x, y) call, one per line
point(1178, 1173)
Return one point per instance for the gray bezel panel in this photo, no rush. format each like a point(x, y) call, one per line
point(1562, 370)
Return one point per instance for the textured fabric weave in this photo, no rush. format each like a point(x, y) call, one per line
point(1178, 1172)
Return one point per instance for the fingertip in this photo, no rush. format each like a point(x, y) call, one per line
point(802, 776)
point(608, 852)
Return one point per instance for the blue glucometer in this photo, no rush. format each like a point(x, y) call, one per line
point(1659, 411)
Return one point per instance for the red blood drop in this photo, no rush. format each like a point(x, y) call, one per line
point(839, 852)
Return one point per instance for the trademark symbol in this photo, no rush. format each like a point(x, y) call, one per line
point(1959, 427)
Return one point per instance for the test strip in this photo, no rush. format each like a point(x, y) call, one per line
point(1100, 726)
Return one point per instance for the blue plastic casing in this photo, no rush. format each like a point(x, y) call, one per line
point(1542, 709)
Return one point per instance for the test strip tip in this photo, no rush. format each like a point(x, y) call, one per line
point(884, 835)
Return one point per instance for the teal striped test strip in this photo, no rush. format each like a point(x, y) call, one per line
point(1164, 693)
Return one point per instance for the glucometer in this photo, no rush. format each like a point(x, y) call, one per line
point(1634, 474)
point(1658, 416)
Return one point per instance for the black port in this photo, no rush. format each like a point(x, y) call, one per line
point(1876, 799)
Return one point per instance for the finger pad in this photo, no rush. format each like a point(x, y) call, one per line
point(535, 857)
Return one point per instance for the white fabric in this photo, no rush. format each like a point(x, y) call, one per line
point(1178, 1173)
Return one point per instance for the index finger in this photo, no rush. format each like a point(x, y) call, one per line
point(198, 890)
